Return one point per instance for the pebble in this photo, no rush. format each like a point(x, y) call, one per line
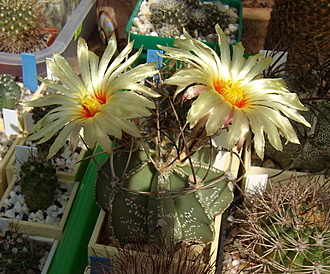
point(233, 27)
point(15, 207)
point(10, 214)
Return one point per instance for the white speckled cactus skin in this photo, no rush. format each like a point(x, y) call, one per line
point(177, 217)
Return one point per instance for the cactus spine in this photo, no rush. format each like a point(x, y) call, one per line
point(38, 184)
point(10, 92)
point(286, 229)
point(16, 251)
point(21, 26)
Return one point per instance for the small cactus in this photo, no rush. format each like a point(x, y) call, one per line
point(16, 251)
point(204, 17)
point(286, 229)
point(38, 184)
point(173, 12)
point(21, 26)
point(10, 92)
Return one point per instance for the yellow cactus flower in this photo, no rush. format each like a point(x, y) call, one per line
point(230, 92)
point(102, 102)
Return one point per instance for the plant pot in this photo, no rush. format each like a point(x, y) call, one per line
point(13, 167)
point(96, 249)
point(54, 244)
point(151, 42)
point(65, 44)
point(255, 22)
point(41, 246)
point(3, 166)
point(257, 176)
point(37, 228)
point(223, 161)
point(71, 255)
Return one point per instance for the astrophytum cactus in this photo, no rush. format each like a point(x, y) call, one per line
point(178, 200)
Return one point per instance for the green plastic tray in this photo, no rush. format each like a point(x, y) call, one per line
point(151, 42)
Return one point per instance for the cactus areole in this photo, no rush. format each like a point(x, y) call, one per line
point(147, 200)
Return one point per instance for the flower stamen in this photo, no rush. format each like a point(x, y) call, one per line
point(231, 91)
point(91, 106)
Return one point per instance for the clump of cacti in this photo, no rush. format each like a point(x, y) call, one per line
point(165, 183)
point(286, 228)
point(22, 26)
point(204, 17)
point(38, 183)
point(10, 92)
point(197, 17)
point(16, 251)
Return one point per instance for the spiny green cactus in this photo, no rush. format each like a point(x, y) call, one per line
point(38, 184)
point(286, 229)
point(10, 92)
point(21, 26)
point(197, 17)
point(16, 251)
point(169, 30)
point(178, 216)
point(173, 12)
point(204, 17)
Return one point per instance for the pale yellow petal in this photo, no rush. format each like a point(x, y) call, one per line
point(60, 139)
point(224, 52)
point(106, 57)
point(218, 117)
point(206, 101)
point(83, 61)
point(248, 65)
point(239, 128)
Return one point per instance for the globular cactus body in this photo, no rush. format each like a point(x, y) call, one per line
point(286, 229)
point(10, 92)
point(21, 26)
point(15, 251)
point(205, 16)
point(169, 12)
point(38, 184)
point(179, 216)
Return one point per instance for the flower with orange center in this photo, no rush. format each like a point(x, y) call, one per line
point(102, 102)
point(230, 92)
